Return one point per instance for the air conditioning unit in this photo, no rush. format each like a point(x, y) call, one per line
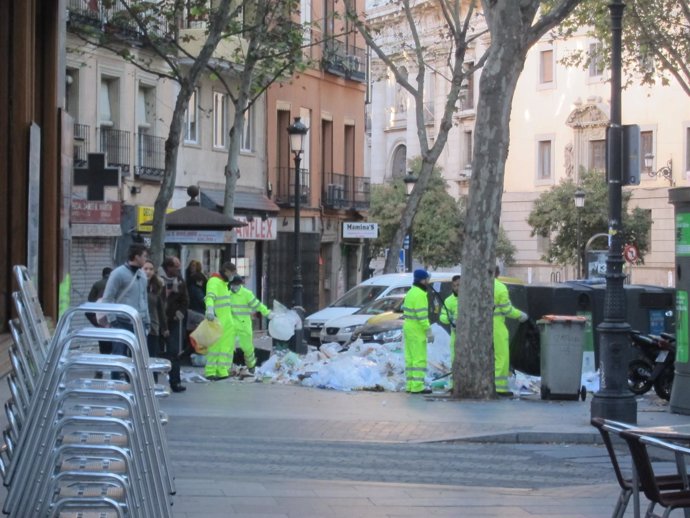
point(335, 195)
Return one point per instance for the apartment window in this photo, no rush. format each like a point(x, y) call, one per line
point(687, 151)
point(467, 147)
point(544, 159)
point(305, 20)
point(191, 120)
point(399, 162)
point(349, 150)
point(220, 120)
point(109, 101)
point(646, 147)
point(543, 244)
point(597, 155)
point(146, 103)
point(72, 93)
point(467, 88)
point(596, 60)
point(248, 133)
point(546, 67)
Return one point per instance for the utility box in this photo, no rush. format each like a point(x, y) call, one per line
point(680, 393)
point(562, 338)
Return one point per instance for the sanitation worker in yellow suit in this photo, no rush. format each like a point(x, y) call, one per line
point(243, 305)
point(503, 308)
point(416, 332)
point(217, 300)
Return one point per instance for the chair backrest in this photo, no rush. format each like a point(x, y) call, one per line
point(643, 465)
point(606, 428)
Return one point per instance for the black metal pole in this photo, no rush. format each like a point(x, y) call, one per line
point(614, 400)
point(297, 287)
point(297, 276)
point(408, 252)
point(579, 246)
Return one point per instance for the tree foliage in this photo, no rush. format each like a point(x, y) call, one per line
point(656, 38)
point(548, 218)
point(438, 226)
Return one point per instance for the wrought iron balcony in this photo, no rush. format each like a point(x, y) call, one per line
point(343, 59)
point(114, 19)
point(116, 145)
point(345, 192)
point(81, 144)
point(150, 158)
point(285, 193)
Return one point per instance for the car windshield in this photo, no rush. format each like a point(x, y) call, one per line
point(358, 296)
point(381, 306)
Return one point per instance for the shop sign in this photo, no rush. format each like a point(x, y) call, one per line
point(360, 230)
point(144, 214)
point(95, 212)
point(257, 229)
point(95, 230)
point(210, 237)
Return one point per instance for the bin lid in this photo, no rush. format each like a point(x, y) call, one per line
point(565, 319)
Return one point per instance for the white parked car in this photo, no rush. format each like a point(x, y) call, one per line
point(367, 291)
point(340, 329)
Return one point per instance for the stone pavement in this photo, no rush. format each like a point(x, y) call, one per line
point(243, 416)
point(255, 412)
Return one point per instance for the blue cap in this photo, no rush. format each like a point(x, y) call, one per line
point(420, 275)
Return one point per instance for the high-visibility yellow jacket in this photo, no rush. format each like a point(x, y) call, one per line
point(218, 298)
point(502, 305)
point(449, 311)
point(416, 309)
point(243, 305)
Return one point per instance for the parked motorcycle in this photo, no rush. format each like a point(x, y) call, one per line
point(654, 367)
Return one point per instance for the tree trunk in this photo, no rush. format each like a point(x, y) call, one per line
point(473, 370)
point(172, 143)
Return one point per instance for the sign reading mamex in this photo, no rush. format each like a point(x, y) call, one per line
point(359, 230)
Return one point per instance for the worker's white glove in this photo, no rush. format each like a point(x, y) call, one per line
point(523, 317)
point(270, 315)
point(210, 314)
point(429, 335)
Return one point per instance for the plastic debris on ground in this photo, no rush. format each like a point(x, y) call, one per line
point(379, 367)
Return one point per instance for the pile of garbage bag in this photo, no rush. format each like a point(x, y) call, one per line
point(369, 366)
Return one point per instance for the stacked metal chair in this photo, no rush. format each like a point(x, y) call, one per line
point(76, 445)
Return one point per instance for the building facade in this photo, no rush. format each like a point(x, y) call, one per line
point(329, 98)
point(124, 113)
point(558, 126)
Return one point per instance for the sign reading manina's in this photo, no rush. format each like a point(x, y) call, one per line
point(360, 230)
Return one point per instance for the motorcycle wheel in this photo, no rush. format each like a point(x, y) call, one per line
point(663, 384)
point(639, 376)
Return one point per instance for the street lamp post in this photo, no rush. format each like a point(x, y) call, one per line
point(296, 132)
point(579, 204)
point(410, 180)
point(614, 400)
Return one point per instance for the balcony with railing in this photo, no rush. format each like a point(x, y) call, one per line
point(116, 144)
point(81, 144)
point(343, 59)
point(150, 162)
point(345, 192)
point(285, 192)
point(114, 18)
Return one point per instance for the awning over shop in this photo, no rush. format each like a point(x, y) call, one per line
point(214, 199)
